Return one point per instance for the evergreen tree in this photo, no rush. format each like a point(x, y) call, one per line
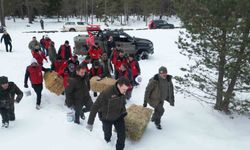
point(217, 40)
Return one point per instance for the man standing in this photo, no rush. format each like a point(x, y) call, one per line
point(111, 109)
point(159, 88)
point(42, 24)
point(8, 91)
point(77, 93)
point(33, 43)
point(65, 51)
point(34, 73)
point(7, 41)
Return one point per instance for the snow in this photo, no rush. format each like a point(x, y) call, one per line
point(188, 125)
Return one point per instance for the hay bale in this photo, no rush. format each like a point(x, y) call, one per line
point(136, 121)
point(54, 82)
point(97, 85)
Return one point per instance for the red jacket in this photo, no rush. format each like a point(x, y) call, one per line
point(65, 52)
point(58, 66)
point(47, 43)
point(96, 72)
point(134, 65)
point(95, 53)
point(35, 74)
point(119, 61)
point(127, 74)
point(114, 56)
point(39, 57)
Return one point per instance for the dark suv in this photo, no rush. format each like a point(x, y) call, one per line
point(160, 24)
point(131, 45)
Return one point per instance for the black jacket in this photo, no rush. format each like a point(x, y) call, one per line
point(7, 97)
point(6, 38)
point(77, 91)
point(110, 105)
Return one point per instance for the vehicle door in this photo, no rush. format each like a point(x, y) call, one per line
point(81, 26)
point(127, 43)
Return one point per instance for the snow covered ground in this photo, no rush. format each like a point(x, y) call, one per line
point(188, 125)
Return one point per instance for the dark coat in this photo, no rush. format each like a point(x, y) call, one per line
point(6, 38)
point(77, 91)
point(153, 91)
point(110, 105)
point(7, 97)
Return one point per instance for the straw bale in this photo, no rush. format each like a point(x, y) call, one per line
point(99, 86)
point(136, 121)
point(54, 82)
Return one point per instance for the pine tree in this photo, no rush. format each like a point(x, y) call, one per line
point(217, 40)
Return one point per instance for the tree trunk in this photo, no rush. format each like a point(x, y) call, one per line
point(29, 11)
point(2, 17)
point(236, 70)
point(221, 70)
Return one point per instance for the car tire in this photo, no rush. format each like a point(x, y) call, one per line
point(143, 55)
point(72, 30)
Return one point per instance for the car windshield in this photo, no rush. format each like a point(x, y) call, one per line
point(81, 23)
point(69, 23)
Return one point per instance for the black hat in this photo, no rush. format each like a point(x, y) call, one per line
point(3, 80)
point(66, 42)
point(163, 69)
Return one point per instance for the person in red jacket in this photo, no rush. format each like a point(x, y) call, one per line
point(34, 73)
point(114, 53)
point(121, 59)
point(96, 70)
point(125, 71)
point(47, 42)
point(65, 51)
point(95, 52)
point(57, 66)
point(85, 63)
point(135, 68)
point(38, 55)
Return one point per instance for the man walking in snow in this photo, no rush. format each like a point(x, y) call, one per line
point(7, 41)
point(34, 73)
point(111, 109)
point(159, 88)
point(8, 91)
point(77, 93)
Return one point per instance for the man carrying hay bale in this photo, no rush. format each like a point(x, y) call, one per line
point(77, 93)
point(159, 88)
point(111, 109)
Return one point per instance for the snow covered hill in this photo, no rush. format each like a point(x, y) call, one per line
point(189, 125)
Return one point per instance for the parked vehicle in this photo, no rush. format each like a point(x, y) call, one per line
point(79, 26)
point(131, 45)
point(160, 24)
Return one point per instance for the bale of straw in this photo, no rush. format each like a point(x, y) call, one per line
point(54, 82)
point(136, 121)
point(98, 85)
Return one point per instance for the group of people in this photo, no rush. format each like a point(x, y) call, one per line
point(110, 104)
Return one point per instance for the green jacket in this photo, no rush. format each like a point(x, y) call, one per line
point(110, 105)
point(153, 92)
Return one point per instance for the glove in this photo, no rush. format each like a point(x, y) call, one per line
point(145, 105)
point(26, 85)
point(89, 127)
point(16, 102)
